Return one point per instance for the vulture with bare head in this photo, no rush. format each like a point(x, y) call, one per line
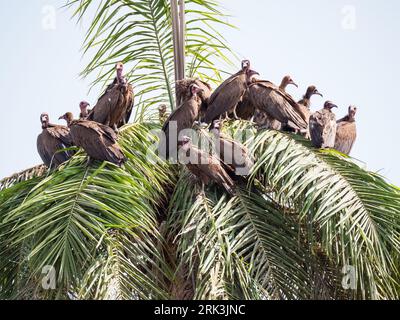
point(83, 106)
point(114, 107)
point(323, 127)
point(98, 140)
point(229, 94)
point(277, 104)
point(205, 167)
point(51, 141)
point(183, 92)
point(233, 154)
point(346, 133)
point(181, 119)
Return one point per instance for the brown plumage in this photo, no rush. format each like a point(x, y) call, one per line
point(305, 103)
point(183, 92)
point(53, 139)
point(245, 109)
point(227, 96)
point(181, 119)
point(115, 106)
point(99, 141)
point(233, 154)
point(277, 104)
point(263, 120)
point(205, 167)
point(346, 133)
point(323, 127)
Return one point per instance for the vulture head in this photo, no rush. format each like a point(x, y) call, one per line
point(44, 120)
point(119, 67)
point(329, 105)
point(185, 144)
point(194, 90)
point(162, 109)
point(217, 125)
point(83, 106)
point(69, 117)
point(311, 91)
point(352, 113)
point(245, 65)
point(287, 80)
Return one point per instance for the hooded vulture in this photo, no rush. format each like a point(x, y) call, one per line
point(183, 92)
point(277, 104)
point(115, 106)
point(346, 133)
point(233, 154)
point(262, 119)
point(83, 106)
point(181, 119)
point(205, 167)
point(53, 139)
point(99, 141)
point(227, 96)
point(323, 127)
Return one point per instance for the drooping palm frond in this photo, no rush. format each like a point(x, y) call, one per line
point(139, 32)
point(69, 218)
point(25, 175)
point(354, 215)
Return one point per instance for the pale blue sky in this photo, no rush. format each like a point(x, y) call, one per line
point(306, 39)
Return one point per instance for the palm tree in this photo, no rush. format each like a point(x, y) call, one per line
point(307, 224)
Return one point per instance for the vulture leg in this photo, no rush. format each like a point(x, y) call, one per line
point(235, 116)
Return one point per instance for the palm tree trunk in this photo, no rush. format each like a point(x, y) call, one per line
point(179, 30)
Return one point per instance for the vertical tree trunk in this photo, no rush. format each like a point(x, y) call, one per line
point(178, 31)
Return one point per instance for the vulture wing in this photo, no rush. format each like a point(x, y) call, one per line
point(226, 97)
point(323, 129)
point(99, 141)
point(317, 129)
point(49, 144)
point(208, 168)
point(183, 118)
point(277, 104)
point(346, 135)
point(102, 112)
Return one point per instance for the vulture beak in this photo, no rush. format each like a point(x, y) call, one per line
point(61, 118)
point(319, 94)
point(335, 106)
point(295, 84)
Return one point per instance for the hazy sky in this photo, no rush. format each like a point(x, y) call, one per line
point(349, 49)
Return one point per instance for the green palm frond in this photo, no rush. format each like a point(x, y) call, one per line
point(352, 213)
point(67, 216)
point(25, 175)
point(138, 32)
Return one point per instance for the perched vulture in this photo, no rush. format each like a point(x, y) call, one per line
point(205, 167)
point(233, 154)
point(305, 104)
point(183, 92)
point(99, 141)
point(323, 127)
point(346, 133)
point(227, 96)
point(53, 139)
point(277, 104)
point(115, 106)
point(265, 121)
point(181, 119)
point(84, 110)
